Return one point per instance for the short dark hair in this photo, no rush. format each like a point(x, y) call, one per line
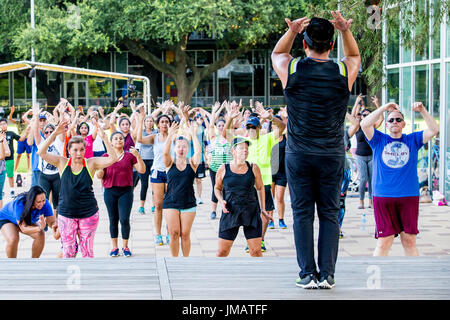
point(3, 120)
point(319, 35)
point(75, 140)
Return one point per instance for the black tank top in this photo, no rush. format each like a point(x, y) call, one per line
point(316, 97)
point(362, 147)
point(76, 197)
point(180, 188)
point(242, 200)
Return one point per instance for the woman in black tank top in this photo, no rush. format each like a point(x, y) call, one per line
point(235, 190)
point(77, 208)
point(179, 203)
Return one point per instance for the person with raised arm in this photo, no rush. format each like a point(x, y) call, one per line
point(238, 188)
point(317, 91)
point(395, 182)
point(78, 212)
point(117, 180)
point(179, 206)
point(158, 175)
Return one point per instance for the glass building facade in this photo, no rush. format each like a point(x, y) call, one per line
point(424, 77)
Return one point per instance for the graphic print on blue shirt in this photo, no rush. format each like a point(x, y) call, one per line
point(395, 164)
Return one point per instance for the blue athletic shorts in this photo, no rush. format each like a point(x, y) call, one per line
point(158, 176)
point(22, 146)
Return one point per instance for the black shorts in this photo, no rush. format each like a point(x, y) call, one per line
point(201, 171)
point(280, 179)
point(3, 222)
point(250, 232)
point(270, 206)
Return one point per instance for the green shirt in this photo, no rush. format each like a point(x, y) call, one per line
point(259, 152)
point(220, 153)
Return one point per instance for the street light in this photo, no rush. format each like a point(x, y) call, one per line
point(33, 75)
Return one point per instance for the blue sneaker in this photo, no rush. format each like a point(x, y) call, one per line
point(247, 249)
point(271, 225)
point(263, 246)
point(153, 209)
point(159, 240)
point(141, 210)
point(126, 252)
point(213, 215)
point(168, 239)
point(114, 252)
point(282, 224)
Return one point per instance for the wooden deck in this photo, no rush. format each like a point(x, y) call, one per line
point(199, 278)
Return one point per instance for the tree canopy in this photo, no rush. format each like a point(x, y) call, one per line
point(145, 28)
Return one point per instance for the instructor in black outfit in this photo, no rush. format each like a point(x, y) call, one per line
point(316, 90)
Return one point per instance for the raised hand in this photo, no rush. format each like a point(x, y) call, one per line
point(339, 22)
point(298, 25)
point(61, 127)
point(134, 151)
point(418, 107)
point(391, 106)
point(263, 113)
point(173, 128)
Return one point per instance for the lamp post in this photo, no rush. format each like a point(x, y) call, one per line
point(33, 72)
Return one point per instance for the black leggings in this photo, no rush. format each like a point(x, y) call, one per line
point(212, 175)
point(118, 201)
point(51, 182)
point(145, 178)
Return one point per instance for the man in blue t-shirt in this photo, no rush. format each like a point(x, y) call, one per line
point(395, 183)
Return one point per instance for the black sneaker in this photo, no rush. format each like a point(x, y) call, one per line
point(326, 283)
point(307, 282)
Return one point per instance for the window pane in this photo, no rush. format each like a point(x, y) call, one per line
point(224, 89)
point(121, 62)
point(446, 162)
point(100, 61)
point(241, 73)
point(99, 91)
point(204, 57)
point(4, 90)
point(393, 78)
point(448, 40)
point(259, 82)
point(259, 57)
point(435, 113)
point(406, 98)
point(421, 95)
point(393, 44)
point(422, 30)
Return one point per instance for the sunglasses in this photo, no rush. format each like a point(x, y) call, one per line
point(48, 132)
point(364, 114)
point(391, 120)
point(251, 127)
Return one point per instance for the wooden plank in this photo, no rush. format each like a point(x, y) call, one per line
point(166, 290)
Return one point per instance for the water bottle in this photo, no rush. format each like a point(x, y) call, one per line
point(363, 222)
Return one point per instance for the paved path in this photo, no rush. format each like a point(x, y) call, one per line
point(433, 240)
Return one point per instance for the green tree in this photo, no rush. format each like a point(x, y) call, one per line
point(405, 21)
point(147, 27)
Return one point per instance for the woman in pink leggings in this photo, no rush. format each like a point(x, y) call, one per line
point(77, 208)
